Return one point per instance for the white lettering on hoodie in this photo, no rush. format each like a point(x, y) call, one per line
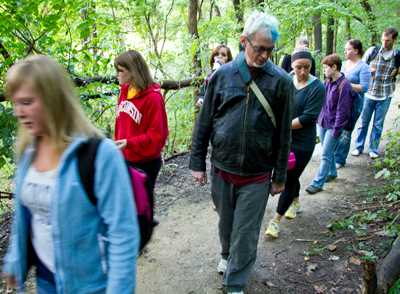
point(130, 109)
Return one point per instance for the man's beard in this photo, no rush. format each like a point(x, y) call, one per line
point(253, 64)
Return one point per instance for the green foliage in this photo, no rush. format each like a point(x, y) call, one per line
point(7, 132)
point(396, 288)
point(86, 36)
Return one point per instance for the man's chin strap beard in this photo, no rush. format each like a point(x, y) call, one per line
point(253, 64)
point(258, 65)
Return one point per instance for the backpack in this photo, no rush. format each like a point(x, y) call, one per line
point(375, 52)
point(86, 159)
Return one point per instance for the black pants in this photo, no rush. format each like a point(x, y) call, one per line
point(292, 186)
point(151, 168)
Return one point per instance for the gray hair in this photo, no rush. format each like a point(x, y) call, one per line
point(262, 22)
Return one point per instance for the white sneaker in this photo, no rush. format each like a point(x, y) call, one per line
point(356, 152)
point(221, 268)
point(373, 155)
point(339, 165)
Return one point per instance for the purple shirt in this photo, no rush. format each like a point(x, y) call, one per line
point(336, 112)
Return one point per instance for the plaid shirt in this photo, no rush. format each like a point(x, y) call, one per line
point(382, 84)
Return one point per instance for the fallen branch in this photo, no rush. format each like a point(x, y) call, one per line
point(391, 204)
point(165, 85)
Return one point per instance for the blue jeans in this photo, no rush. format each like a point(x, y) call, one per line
point(327, 166)
point(380, 107)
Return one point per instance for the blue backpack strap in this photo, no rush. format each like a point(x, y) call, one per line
point(86, 154)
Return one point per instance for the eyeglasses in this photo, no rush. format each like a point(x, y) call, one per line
point(261, 49)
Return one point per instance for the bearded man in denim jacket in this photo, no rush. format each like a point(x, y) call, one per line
point(249, 154)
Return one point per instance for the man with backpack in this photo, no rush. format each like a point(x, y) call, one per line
point(247, 116)
point(384, 63)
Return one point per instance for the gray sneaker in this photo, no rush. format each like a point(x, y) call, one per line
point(312, 189)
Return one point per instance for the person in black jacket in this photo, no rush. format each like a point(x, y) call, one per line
point(287, 59)
point(250, 147)
point(308, 100)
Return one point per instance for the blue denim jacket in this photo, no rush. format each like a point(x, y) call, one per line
point(95, 248)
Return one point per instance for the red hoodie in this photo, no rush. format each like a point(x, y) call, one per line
point(142, 120)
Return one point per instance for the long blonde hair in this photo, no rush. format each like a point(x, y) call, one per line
point(63, 114)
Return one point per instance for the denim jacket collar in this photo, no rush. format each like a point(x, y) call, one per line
point(243, 68)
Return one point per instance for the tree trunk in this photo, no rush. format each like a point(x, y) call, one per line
point(317, 33)
point(194, 33)
point(335, 36)
point(348, 28)
point(330, 35)
point(238, 11)
point(371, 24)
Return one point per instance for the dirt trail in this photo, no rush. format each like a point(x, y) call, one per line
point(183, 255)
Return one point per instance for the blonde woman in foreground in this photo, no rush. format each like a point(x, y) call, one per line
point(75, 246)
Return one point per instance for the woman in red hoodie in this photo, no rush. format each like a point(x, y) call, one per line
point(141, 126)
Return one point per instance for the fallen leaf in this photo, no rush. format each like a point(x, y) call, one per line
point(312, 267)
point(355, 260)
point(320, 289)
point(269, 284)
point(331, 247)
point(334, 258)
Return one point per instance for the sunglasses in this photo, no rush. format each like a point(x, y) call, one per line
point(261, 49)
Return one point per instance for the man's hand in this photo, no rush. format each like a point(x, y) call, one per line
point(277, 188)
point(200, 177)
point(121, 144)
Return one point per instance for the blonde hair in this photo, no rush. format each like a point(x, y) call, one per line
point(139, 72)
point(63, 114)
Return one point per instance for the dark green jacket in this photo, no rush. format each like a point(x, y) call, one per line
point(243, 138)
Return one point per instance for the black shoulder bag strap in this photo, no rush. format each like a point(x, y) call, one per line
point(86, 154)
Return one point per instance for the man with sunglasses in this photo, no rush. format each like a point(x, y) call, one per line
point(250, 145)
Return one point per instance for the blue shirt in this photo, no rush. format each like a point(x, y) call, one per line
point(359, 75)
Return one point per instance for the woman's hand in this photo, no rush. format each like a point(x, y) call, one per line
point(121, 144)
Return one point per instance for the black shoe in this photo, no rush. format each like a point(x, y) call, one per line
point(312, 189)
point(330, 178)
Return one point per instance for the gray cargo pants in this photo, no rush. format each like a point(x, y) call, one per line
point(241, 211)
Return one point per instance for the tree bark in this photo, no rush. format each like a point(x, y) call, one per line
point(3, 51)
point(371, 24)
point(330, 34)
point(165, 85)
point(238, 11)
point(317, 33)
point(348, 28)
point(194, 33)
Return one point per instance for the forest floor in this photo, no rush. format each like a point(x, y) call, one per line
point(306, 258)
